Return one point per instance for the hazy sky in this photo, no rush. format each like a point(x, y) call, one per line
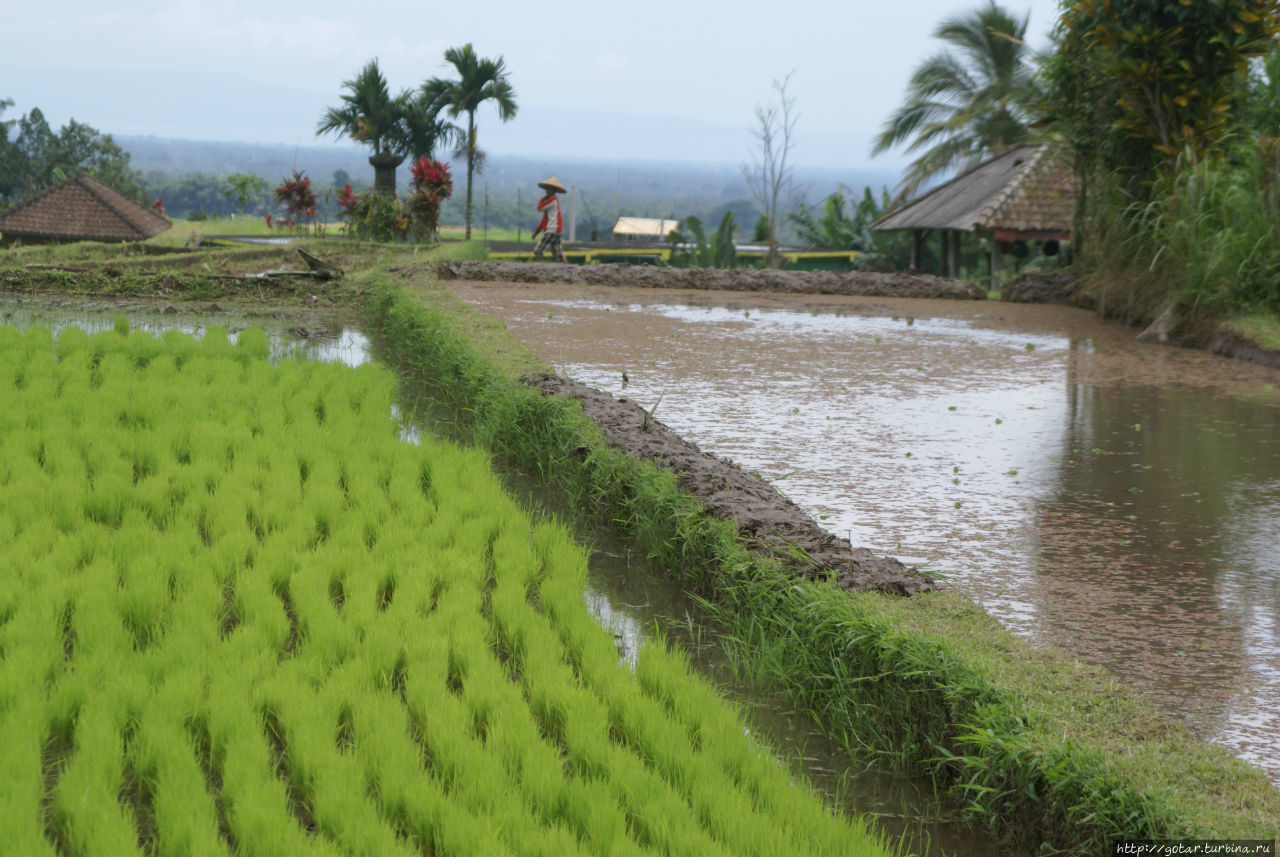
point(653, 80)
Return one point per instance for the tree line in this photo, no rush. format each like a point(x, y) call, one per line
point(33, 156)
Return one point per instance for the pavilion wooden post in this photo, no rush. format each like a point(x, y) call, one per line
point(995, 264)
point(917, 247)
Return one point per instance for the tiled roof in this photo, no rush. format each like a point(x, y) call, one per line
point(81, 208)
point(1029, 188)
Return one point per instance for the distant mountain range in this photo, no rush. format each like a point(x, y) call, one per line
point(668, 187)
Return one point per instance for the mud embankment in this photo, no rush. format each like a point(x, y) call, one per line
point(766, 519)
point(867, 283)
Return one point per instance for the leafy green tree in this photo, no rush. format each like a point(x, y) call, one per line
point(839, 229)
point(242, 187)
point(846, 226)
point(37, 158)
point(969, 101)
point(370, 115)
point(1134, 86)
point(80, 147)
point(187, 194)
point(37, 164)
point(8, 154)
point(760, 234)
point(479, 80)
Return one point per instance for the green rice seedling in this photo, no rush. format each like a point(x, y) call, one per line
point(184, 817)
point(413, 803)
point(85, 809)
point(323, 776)
point(317, 639)
point(21, 777)
point(256, 802)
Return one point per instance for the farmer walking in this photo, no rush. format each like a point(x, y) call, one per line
point(552, 223)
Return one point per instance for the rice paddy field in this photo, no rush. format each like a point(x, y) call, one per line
point(242, 616)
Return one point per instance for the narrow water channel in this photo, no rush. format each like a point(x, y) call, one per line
point(633, 602)
point(1119, 501)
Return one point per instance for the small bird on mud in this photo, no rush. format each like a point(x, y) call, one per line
point(624, 380)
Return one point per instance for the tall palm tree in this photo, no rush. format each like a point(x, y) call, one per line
point(371, 116)
point(965, 105)
point(479, 80)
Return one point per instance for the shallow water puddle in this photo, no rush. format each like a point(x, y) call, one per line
point(1119, 501)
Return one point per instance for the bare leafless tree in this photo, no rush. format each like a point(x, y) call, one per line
point(769, 174)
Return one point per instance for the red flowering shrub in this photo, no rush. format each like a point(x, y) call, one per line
point(347, 202)
point(298, 198)
point(431, 183)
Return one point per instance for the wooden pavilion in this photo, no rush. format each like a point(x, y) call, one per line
point(1026, 193)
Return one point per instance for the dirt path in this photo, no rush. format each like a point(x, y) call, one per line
point(765, 518)
point(716, 279)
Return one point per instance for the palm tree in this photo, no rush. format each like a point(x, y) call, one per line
point(370, 115)
point(424, 129)
point(966, 105)
point(479, 80)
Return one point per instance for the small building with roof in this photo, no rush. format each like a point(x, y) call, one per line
point(643, 229)
point(80, 208)
point(1026, 193)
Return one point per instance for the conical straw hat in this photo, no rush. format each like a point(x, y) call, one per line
point(552, 183)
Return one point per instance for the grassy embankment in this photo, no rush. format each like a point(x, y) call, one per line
point(165, 268)
point(269, 626)
point(1047, 751)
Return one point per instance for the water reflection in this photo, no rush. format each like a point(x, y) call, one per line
point(328, 335)
point(1116, 500)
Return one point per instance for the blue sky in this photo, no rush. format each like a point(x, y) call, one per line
point(656, 80)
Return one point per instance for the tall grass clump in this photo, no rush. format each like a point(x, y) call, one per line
point(1207, 240)
point(1045, 751)
point(241, 616)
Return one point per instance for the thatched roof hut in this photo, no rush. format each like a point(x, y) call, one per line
point(1025, 193)
point(80, 208)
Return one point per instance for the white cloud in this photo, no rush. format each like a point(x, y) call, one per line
point(303, 38)
point(608, 64)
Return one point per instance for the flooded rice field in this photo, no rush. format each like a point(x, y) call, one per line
point(625, 597)
point(1119, 501)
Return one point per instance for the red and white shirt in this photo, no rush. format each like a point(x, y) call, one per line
point(552, 220)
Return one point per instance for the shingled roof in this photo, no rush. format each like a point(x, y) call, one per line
point(1027, 191)
point(80, 208)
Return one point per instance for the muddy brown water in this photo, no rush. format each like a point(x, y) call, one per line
point(1119, 501)
point(632, 601)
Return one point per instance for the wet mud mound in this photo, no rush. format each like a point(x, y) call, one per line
point(1043, 287)
point(868, 283)
point(765, 518)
